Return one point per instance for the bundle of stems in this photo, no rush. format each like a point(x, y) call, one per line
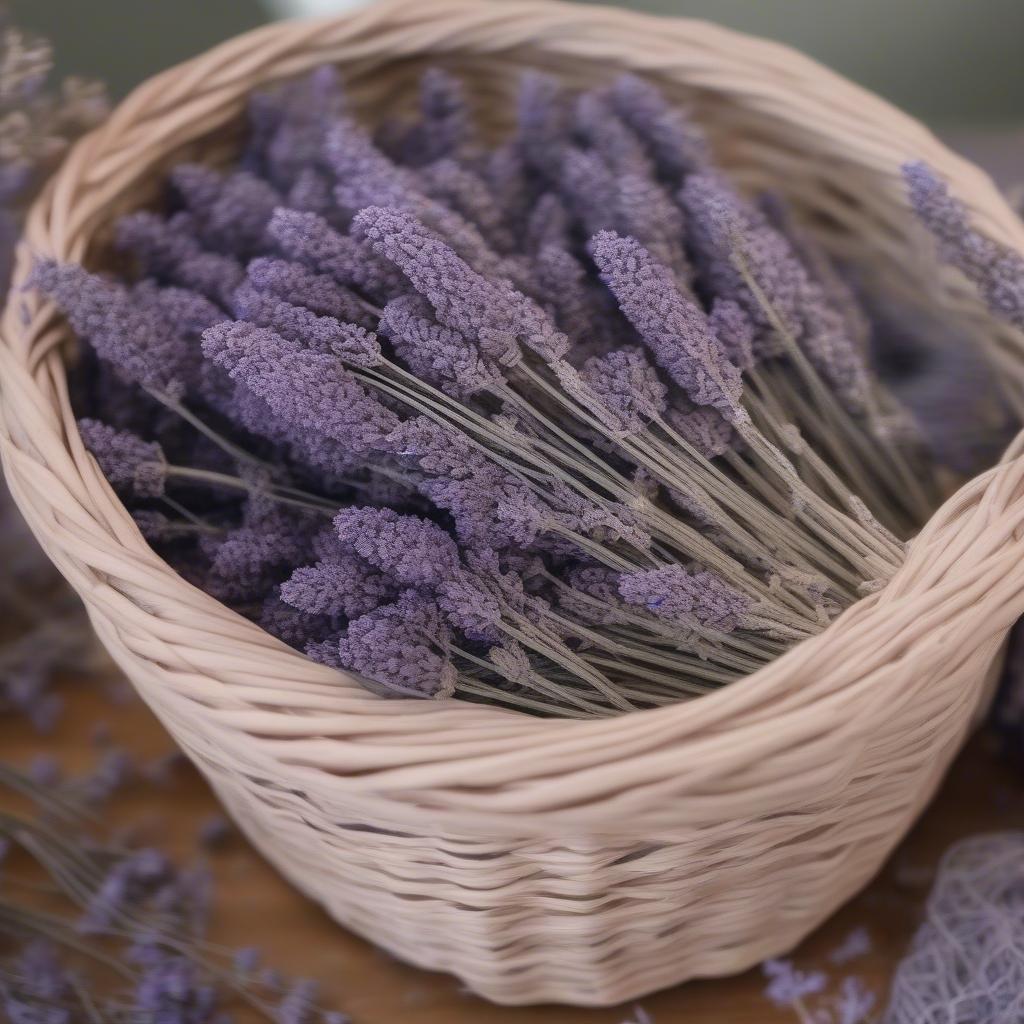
point(566, 424)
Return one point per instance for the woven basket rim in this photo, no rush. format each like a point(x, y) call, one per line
point(798, 691)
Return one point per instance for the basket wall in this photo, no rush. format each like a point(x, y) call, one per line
point(583, 862)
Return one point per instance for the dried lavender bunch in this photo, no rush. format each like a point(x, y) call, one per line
point(117, 934)
point(567, 424)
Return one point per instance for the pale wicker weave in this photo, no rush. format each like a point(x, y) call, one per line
point(584, 862)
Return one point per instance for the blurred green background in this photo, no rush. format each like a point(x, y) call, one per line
point(955, 63)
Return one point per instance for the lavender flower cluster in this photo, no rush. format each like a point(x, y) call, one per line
point(565, 423)
point(125, 942)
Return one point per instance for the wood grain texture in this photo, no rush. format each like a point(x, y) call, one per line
point(255, 907)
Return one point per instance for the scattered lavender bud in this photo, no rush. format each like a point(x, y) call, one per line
point(788, 986)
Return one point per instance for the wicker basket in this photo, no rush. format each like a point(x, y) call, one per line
point(584, 862)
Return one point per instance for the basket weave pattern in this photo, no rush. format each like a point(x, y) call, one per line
point(584, 862)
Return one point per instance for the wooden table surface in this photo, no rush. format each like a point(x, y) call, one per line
point(254, 907)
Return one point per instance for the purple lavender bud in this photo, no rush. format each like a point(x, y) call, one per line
point(411, 550)
point(131, 337)
point(129, 882)
point(575, 302)
point(619, 148)
point(676, 144)
point(595, 581)
point(169, 249)
point(628, 389)
point(589, 189)
point(678, 595)
point(787, 985)
point(186, 310)
point(491, 509)
point(542, 122)
point(364, 175)
point(723, 230)
point(230, 210)
point(547, 224)
point(289, 124)
point(506, 172)
point(251, 559)
point(647, 213)
point(673, 327)
point(297, 1006)
point(306, 390)
point(326, 651)
point(720, 226)
point(43, 987)
point(311, 192)
point(129, 463)
point(997, 272)
point(436, 449)
point(351, 343)
point(293, 627)
point(445, 127)
point(345, 584)
point(436, 354)
point(703, 428)
point(293, 283)
point(309, 239)
point(170, 989)
point(855, 1002)
point(492, 313)
point(368, 179)
point(463, 190)
point(401, 647)
point(470, 608)
point(735, 332)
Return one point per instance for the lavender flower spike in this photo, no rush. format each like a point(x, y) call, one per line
point(126, 460)
point(628, 387)
point(493, 313)
point(307, 391)
point(413, 551)
point(324, 334)
point(437, 354)
point(996, 271)
point(677, 145)
point(671, 325)
point(134, 338)
point(309, 239)
point(676, 594)
point(724, 231)
point(402, 647)
point(344, 584)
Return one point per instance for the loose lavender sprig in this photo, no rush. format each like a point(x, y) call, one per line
point(132, 924)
